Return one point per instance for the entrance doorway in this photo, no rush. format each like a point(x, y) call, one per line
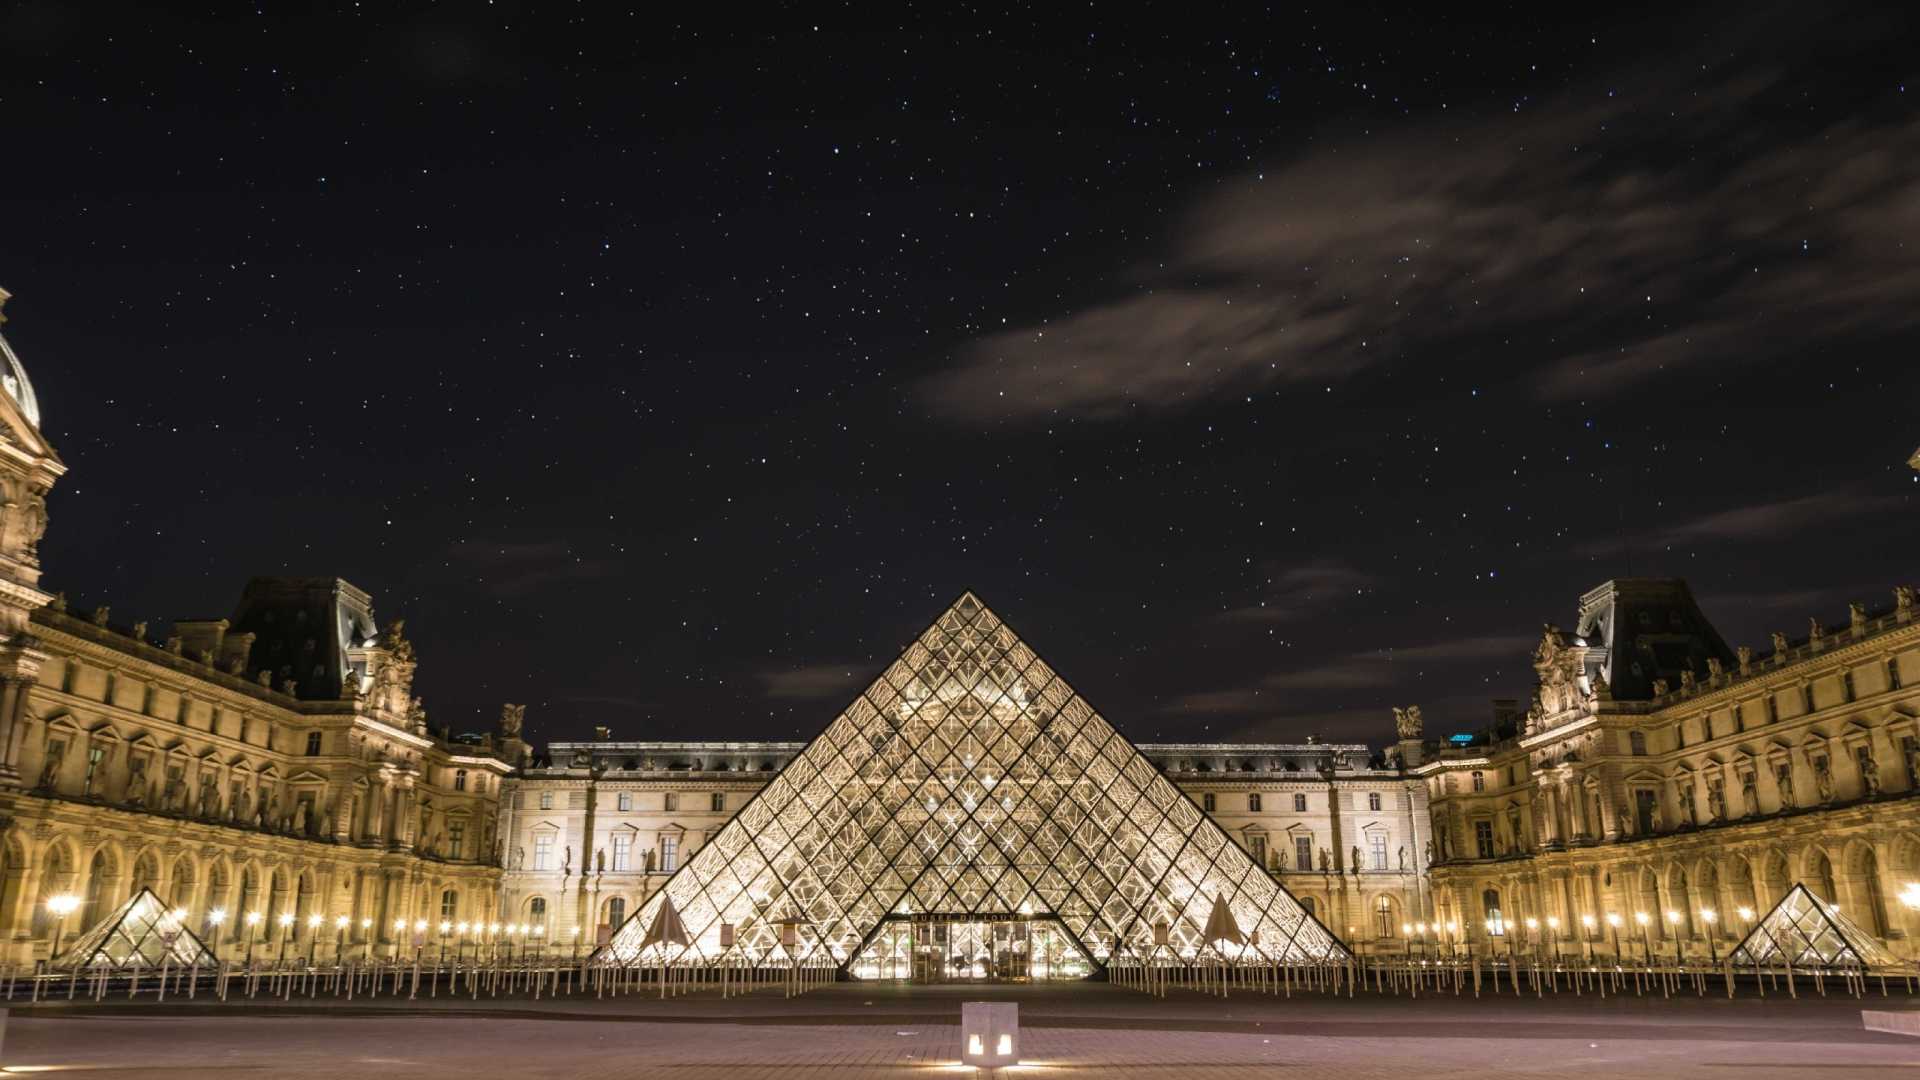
point(938, 948)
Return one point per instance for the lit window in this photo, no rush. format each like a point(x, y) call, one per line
point(543, 851)
point(622, 853)
point(449, 906)
point(1479, 781)
point(459, 779)
point(456, 836)
point(537, 911)
point(1383, 921)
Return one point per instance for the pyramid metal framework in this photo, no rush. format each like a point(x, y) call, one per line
point(970, 780)
point(1803, 932)
point(143, 933)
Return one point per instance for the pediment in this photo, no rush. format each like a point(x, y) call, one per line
point(306, 776)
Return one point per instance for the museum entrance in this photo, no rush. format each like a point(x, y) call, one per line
point(937, 948)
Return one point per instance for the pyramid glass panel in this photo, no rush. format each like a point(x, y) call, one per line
point(968, 803)
point(142, 934)
point(1803, 932)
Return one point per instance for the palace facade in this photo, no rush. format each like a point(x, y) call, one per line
point(1661, 773)
point(273, 762)
point(598, 827)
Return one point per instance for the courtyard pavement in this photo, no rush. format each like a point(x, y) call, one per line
point(860, 1031)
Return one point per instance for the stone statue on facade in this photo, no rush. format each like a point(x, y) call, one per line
point(1903, 597)
point(1654, 817)
point(1823, 778)
point(1688, 817)
point(1429, 853)
point(1716, 801)
point(1355, 865)
point(1816, 634)
point(1402, 854)
point(1745, 653)
point(1622, 822)
point(1783, 777)
point(1749, 795)
point(566, 861)
point(1869, 773)
point(50, 772)
point(269, 805)
point(1407, 722)
point(512, 719)
point(135, 793)
point(1913, 761)
point(1780, 646)
point(209, 807)
point(1325, 857)
point(300, 817)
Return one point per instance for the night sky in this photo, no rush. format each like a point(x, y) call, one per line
point(1263, 374)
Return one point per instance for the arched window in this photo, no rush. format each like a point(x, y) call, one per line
point(537, 911)
point(616, 911)
point(1383, 920)
point(449, 905)
point(1306, 903)
point(1496, 920)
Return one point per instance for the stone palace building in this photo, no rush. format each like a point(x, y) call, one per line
point(272, 773)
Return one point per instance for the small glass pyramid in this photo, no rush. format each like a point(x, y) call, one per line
point(969, 781)
point(142, 933)
point(1803, 932)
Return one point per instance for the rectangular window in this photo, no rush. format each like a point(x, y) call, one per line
point(95, 755)
point(313, 744)
point(623, 801)
point(1303, 853)
point(543, 851)
point(1377, 847)
point(1257, 847)
point(622, 853)
point(1253, 804)
point(459, 779)
point(1644, 804)
point(1893, 673)
point(669, 853)
point(1483, 839)
point(1373, 800)
point(1206, 802)
point(546, 800)
point(672, 801)
point(719, 802)
point(1479, 781)
point(1299, 804)
point(1846, 685)
point(1773, 709)
point(456, 836)
point(1637, 743)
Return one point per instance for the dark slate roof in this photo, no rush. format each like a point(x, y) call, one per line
point(303, 628)
point(1651, 628)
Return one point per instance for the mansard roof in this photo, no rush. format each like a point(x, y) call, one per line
point(303, 626)
point(1648, 629)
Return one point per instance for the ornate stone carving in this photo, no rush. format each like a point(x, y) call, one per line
point(1745, 653)
point(512, 718)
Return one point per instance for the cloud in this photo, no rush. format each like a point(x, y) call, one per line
point(517, 569)
point(810, 683)
point(1296, 592)
point(1758, 521)
point(1372, 669)
point(1617, 243)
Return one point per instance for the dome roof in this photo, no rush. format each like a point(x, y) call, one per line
point(13, 379)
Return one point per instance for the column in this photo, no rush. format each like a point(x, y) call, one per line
point(19, 668)
point(404, 815)
point(377, 808)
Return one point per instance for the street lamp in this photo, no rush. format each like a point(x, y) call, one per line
point(1673, 927)
point(286, 932)
point(1453, 931)
point(313, 935)
point(1613, 928)
point(252, 920)
point(1708, 916)
point(1553, 925)
point(1646, 938)
point(62, 906)
point(1586, 934)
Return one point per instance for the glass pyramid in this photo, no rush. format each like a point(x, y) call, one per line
point(970, 781)
point(142, 933)
point(1802, 931)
